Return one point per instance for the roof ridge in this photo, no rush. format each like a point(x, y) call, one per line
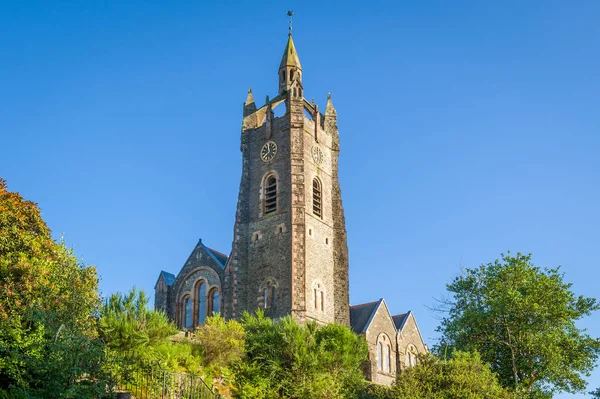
point(219, 252)
point(364, 304)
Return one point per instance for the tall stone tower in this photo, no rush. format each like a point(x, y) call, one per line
point(289, 253)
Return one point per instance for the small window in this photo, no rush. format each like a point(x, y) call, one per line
point(215, 302)
point(410, 359)
point(265, 298)
point(316, 296)
point(317, 198)
point(201, 303)
point(270, 194)
point(327, 241)
point(273, 296)
point(386, 364)
point(379, 356)
point(187, 322)
point(292, 77)
point(322, 301)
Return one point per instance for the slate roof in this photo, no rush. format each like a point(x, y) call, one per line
point(219, 257)
point(399, 320)
point(169, 278)
point(361, 315)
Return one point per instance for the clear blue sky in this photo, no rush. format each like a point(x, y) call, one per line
point(468, 128)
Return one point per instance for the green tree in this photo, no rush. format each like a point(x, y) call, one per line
point(521, 318)
point(596, 393)
point(132, 330)
point(285, 359)
point(464, 375)
point(48, 298)
point(221, 341)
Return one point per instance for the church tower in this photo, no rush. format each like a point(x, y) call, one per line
point(289, 253)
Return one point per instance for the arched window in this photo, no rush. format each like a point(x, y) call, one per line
point(384, 354)
point(410, 358)
point(187, 319)
point(268, 295)
point(273, 296)
point(270, 194)
point(294, 92)
point(386, 359)
point(322, 301)
point(201, 303)
point(215, 302)
point(317, 197)
point(265, 298)
point(318, 297)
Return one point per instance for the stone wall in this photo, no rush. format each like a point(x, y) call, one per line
point(381, 323)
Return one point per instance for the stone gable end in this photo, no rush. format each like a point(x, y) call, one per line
point(381, 323)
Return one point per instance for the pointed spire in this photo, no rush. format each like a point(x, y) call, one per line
point(290, 56)
point(249, 99)
point(249, 105)
point(330, 110)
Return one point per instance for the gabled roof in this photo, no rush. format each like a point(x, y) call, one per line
point(168, 277)
point(361, 315)
point(400, 320)
point(217, 256)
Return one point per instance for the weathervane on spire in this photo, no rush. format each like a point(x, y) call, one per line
point(290, 13)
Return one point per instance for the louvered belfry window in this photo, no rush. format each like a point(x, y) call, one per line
point(271, 194)
point(317, 198)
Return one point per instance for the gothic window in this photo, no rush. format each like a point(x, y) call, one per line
point(265, 298)
point(379, 356)
point(273, 296)
point(270, 194)
point(386, 359)
point(384, 355)
point(187, 316)
point(318, 297)
point(410, 358)
point(317, 197)
point(268, 292)
point(215, 302)
point(201, 302)
point(294, 91)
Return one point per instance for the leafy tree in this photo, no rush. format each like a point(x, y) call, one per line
point(596, 393)
point(521, 318)
point(464, 375)
point(221, 341)
point(47, 301)
point(284, 359)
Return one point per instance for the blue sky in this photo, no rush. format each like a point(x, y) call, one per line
point(468, 128)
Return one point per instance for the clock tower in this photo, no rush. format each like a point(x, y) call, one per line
point(289, 253)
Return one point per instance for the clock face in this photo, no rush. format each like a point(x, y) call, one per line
point(317, 155)
point(268, 151)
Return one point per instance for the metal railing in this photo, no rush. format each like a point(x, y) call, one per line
point(154, 383)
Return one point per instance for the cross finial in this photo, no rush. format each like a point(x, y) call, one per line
point(290, 14)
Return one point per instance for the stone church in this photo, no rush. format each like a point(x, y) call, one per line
point(289, 254)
